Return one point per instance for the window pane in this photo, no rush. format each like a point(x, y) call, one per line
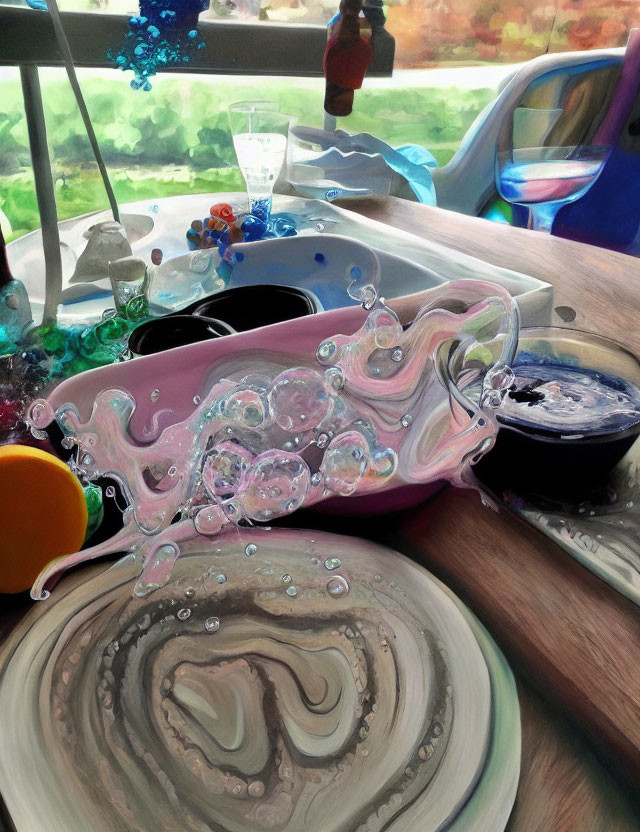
point(18, 206)
point(176, 140)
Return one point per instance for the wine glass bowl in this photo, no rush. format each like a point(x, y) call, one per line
point(535, 172)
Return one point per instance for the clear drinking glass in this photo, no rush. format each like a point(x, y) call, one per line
point(532, 170)
point(259, 133)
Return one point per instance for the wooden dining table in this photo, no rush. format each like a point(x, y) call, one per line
point(572, 641)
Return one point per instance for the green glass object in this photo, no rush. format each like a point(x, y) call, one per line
point(95, 508)
point(111, 329)
point(53, 340)
point(137, 309)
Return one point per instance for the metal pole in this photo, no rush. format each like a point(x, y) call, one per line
point(67, 57)
point(44, 189)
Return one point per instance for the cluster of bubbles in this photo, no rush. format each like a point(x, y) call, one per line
point(252, 451)
point(164, 34)
point(261, 446)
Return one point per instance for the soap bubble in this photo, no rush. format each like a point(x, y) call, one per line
point(386, 328)
point(345, 462)
point(209, 520)
point(245, 408)
point(277, 484)
point(299, 400)
point(40, 414)
point(225, 468)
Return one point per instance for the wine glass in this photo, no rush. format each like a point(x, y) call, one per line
point(537, 169)
point(259, 134)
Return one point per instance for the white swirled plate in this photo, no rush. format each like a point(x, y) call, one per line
point(282, 680)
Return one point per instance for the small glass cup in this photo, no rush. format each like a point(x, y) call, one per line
point(259, 133)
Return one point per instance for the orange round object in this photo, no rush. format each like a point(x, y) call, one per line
point(222, 210)
point(43, 514)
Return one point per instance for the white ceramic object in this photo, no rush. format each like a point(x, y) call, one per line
point(332, 165)
point(106, 241)
point(325, 265)
point(163, 225)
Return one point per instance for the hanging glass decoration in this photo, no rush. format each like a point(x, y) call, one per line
point(164, 34)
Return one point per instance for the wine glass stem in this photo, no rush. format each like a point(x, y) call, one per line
point(543, 215)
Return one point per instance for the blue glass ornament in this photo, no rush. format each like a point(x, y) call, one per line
point(165, 33)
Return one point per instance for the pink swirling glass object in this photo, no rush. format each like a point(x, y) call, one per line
point(378, 409)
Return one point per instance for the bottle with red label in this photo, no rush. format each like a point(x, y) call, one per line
point(347, 57)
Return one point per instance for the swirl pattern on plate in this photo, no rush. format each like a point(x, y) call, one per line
point(281, 680)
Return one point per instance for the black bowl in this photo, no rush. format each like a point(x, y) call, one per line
point(249, 307)
point(549, 460)
point(172, 331)
point(530, 460)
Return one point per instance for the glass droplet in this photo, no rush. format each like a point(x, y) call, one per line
point(197, 399)
point(184, 613)
point(221, 578)
point(155, 395)
point(338, 587)
point(406, 420)
point(316, 479)
point(291, 591)
point(425, 751)
point(110, 491)
point(212, 625)
point(190, 592)
point(172, 471)
point(332, 563)
point(335, 378)
point(286, 579)
point(256, 789)
point(397, 354)
point(250, 549)
point(325, 350)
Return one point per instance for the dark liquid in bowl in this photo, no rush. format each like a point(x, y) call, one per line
point(569, 401)
point(562, 426)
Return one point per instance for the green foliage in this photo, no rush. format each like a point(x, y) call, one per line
point(176, 139)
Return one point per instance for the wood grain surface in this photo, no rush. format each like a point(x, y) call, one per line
point(602, 287)
point(563, 786)
point(575, 639)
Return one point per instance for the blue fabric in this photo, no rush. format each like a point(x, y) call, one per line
point(410, 161)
